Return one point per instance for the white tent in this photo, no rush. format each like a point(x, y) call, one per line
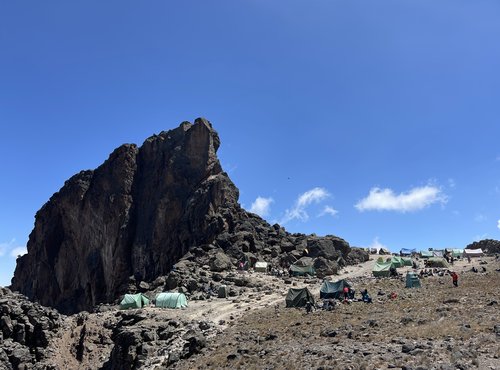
point(260, 266)
point(473, 253)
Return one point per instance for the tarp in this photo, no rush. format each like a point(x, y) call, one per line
point(298, 297)
point(330, 289)
point(134, 301)
point(412, 280)
point(382, 269)
point(457, 252)
point(426, 254)
point(261, 266)
point(473, 253)
point(296, 269)
point(437, 262)
point(407, 252)
point(171, 300)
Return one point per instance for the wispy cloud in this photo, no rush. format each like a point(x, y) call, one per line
point(452, 183)
point(327, 210)
point(18, 251)
point(480, 237)
point(12, 248)
point(298, 212)
point(261, 206)
point(413, 200)
point(376, 244)
point(480, 217)
point(498, 224)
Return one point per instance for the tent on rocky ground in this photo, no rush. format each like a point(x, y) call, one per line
point(407, 261)
point(437, 262)
point(438, 252)
point(222, 293)
point(302, 267)
point(473, 253)
point(412, 280)
point(426, 254)
point(383, 251)
point(260, 266)
point(133, 301)
point(396, 261)
point(382, 269)
point(456, 253)
point(298, 297)
point(407, 252)
point(330, 289)
point(171, 300)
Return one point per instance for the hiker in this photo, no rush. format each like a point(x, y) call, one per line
point(366, 297)
point(346, 293)
point(474, 269)
point(452, 260)
point(308, 307)
point(414, 265)
point(468, 259)
point(393, 271)
point(454, 278)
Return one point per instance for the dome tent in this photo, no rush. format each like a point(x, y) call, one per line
point(171, 300)
point(134, 301)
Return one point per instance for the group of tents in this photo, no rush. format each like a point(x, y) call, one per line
point(298, 297)
point(163, 300)
point(385, 268)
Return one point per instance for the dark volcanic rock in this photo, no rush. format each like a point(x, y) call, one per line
point(118, 228)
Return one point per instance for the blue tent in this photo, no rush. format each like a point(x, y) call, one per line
point(407, 252)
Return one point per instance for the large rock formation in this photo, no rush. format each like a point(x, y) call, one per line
point(139, 213)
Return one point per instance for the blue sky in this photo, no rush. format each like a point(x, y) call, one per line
point(374, 121)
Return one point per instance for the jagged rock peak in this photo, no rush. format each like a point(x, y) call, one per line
point(135, 215)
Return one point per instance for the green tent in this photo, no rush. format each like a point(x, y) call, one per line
point(437, 262)
point(298, 297)
point(396, 261)
point(382, 269)
point(457, 253)
point(407, 261)
point(171, 300)
point(133, 301)
point(330, 289)
point(412, 280)
point(302, 270)
point(426, 254)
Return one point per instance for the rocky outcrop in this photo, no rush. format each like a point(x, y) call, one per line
point(489, 246)
point(25, 331)
point(123, 225)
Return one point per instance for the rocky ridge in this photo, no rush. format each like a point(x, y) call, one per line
point(147, 216)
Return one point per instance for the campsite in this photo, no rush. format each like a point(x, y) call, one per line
point(428, 323)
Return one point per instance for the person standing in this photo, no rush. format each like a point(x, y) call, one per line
point(454, 278)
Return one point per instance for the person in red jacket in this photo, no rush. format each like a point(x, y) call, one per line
point(454, 278)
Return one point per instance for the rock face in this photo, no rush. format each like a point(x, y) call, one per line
point(135, 216)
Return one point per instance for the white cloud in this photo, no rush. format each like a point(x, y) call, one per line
point(18, 251)
point(413, 200)
point(328, 211)
point(11, 248)
point(298, 212)
point(261, 206)
point(376, 244)
point(498, 224)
